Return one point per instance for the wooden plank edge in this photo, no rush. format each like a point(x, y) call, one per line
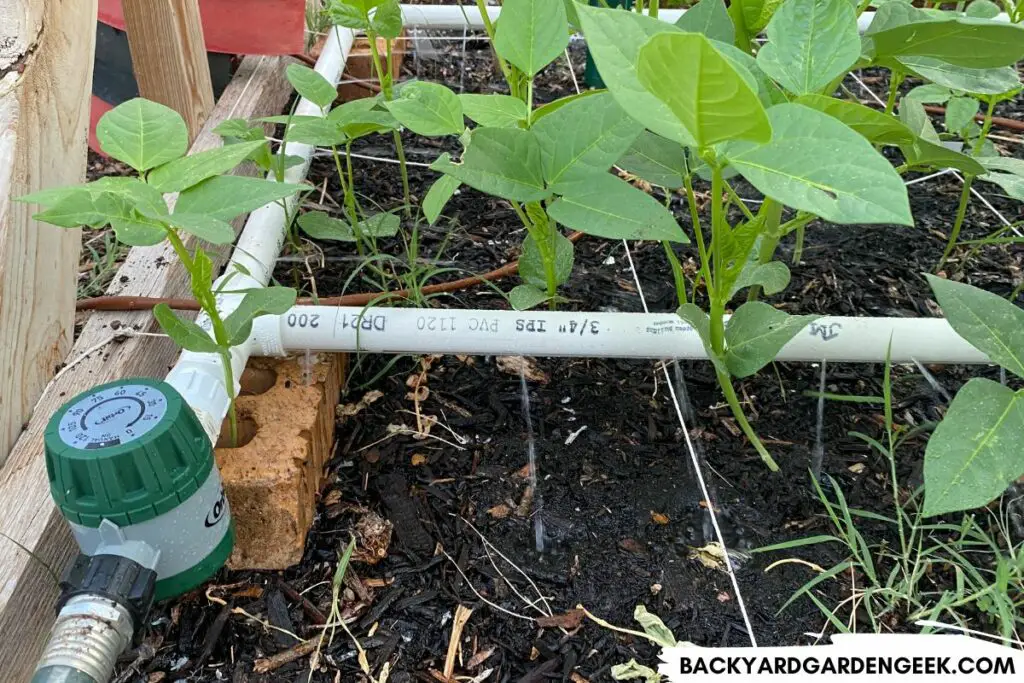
point(33, 536)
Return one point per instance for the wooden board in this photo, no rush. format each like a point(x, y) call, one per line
point(240, 27)
point(169, 57)
point(42, 144)
point(27, 514)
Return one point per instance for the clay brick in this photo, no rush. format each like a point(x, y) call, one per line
point(285, 438)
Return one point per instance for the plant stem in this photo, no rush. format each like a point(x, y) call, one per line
point(717, 317)
point(208, 303)
point(529, 103)
point(691, 200)
point(895, 81)
point(739, 202)
point(958, 223)
point(349, 196)
point(506, 71)
point(965, 194)
point(798, 248)
point(385, 88)
point(652, 10)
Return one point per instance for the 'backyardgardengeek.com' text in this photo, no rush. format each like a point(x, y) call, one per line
point(847, 665)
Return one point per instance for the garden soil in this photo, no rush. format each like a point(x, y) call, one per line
point(624, 519)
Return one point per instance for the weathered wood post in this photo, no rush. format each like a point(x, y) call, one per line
point(46, 57)
point(169, 57)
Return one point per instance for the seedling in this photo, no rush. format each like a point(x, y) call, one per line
point(153, 140)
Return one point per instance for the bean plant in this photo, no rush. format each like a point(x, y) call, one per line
point(153, 140)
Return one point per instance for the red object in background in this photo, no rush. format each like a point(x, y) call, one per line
point(99, 108)
point(239, 27)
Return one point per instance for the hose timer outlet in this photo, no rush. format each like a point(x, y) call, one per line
point(133, 473)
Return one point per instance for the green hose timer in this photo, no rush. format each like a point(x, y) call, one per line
point(132, 471)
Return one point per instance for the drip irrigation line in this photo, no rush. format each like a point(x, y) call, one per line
point(143, 303)
point(1001, 121)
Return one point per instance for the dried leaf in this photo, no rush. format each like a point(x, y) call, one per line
point(418, 459)
point(632, 669)
point(522, 366)
point(567, 620)
point(352, 409)
point(659, 518)
point(654, 627)
point(500, 511)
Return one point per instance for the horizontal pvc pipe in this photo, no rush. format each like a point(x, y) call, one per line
point(609, 335)
point(452, 17)
point(199, 377)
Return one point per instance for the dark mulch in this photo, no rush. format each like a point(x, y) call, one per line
point(622, 510)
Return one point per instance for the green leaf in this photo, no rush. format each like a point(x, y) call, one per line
point(988, 322)
point(633, 669)
point(899, 29)
point(913, 115)
point(709, 97)
point(531, 33)
point(960, 113)
point(709, 18)
point(428, 109)
point(1011, 183)
point(257, 302)
point(136, 230)
point(525, 297)
point(531, 262)
point(1007, 164)
point(929, 93)
point(924, 153)
point(177, 175)
point(983, 9)
point(974, 453)
point(657, 160)
point(614, 38)
point(810, 44)
point(496, 111)
point(349, 16)
point(362, 117)
point(204, 227)
point(757, 13)
point(142, 134)
point(316, 131)
point(320, 226)
point(585, 136)
point(504, 162)
point(554, 105)
point(756, 333)
point(387, 20)
point(878, 128)
point(973, 81)
point(237, 128)
point(184, 333)
point(311, 85)
point(228, 196)
point(606, 206)
point(437, 197)
point(816, 164)
point(201, 278)
point(773, 277)
point(654, 627)
point(380, 225)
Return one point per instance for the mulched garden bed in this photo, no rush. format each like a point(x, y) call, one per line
point(621, 510)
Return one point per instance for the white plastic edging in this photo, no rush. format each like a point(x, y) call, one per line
point(610, 335)
point(199, 377)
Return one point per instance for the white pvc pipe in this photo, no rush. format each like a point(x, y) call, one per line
point(609, 335)
point(453, 17)
point(199, 377)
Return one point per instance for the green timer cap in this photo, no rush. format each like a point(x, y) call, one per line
point(126, 451)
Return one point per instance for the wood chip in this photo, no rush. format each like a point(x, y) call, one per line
point(500, 511)
point(567, 620)
point(462, 614)
point(418, 459)
point(479, 658)
point(659, 518)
